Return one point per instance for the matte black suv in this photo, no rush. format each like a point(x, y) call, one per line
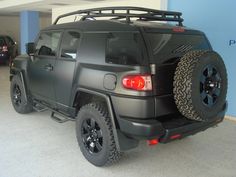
point(123, 79)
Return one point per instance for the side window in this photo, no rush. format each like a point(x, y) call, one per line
point(124, 49)
point(70, 43)
point(48, 43)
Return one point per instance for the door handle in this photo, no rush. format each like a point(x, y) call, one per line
point(48, 67)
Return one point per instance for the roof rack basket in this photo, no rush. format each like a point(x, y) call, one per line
point(127, 13)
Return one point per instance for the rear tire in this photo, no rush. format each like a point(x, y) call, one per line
point(95, 135)
point(200, 85)
point(7, 62)
point(18, 97)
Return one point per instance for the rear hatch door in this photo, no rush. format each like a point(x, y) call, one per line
point(166, 44)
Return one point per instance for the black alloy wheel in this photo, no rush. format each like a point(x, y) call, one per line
point(210, 85)
point(92, 136)
point(20, 101)
point(17, 95)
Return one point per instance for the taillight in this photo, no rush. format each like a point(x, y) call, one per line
point(4, 49)
point(152, 142)
point(138, 82)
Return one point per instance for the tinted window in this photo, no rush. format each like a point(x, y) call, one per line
point(48, 43)
point(11, 42)
point(124, 49)
point(70, 43)
point(167, 46)
point(2, 41)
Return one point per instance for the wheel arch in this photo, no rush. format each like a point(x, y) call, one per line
point(88, 96)
point(16, 71)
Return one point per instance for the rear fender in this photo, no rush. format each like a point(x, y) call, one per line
point(122, 142)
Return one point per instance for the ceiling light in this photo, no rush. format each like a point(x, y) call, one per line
point(59, 4)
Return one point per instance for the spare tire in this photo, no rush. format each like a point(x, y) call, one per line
point(200, 85)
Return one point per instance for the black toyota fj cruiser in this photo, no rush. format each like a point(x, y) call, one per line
point(123, 77)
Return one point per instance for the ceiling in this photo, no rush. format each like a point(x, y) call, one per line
point(13, 7)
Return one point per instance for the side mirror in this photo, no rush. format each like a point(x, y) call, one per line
point(30, 48)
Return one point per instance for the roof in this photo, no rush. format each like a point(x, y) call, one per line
point(96, 25)
point(110, 26)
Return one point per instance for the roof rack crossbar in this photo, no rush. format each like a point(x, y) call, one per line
point(127, 13)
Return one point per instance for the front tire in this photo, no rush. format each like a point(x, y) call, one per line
point(18, 97)
point(95, 135)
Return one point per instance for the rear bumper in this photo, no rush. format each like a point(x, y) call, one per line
point(166, 131)
point(187, 130)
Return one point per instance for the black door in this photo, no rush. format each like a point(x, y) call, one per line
point(41, 68)
point(65, 68)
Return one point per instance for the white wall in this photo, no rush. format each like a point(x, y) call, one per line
point(155, 4)
point(45, 22)
point(10, 25)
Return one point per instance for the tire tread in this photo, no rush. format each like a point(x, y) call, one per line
point(183, 84)
point(113, 155)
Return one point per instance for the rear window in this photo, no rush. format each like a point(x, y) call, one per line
point(167, 46)
point(2, 41)
point(10, 41)
point(125, 49)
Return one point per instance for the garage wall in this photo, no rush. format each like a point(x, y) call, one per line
point(217, 20)
point(45, 22)
point(157, 4)
point(10, 25)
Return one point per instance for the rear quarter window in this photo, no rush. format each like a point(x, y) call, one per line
point(125, 49)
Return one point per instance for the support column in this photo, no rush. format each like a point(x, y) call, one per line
point(29, 28)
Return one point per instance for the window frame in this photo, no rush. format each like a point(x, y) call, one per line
point(58, 46)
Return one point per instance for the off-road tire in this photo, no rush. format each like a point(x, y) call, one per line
point(7, 62)
point(24, 106)
point(109, 153)
point(186, 86)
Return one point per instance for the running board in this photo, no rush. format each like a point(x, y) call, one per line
point(61, 119)
point(39, 108)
